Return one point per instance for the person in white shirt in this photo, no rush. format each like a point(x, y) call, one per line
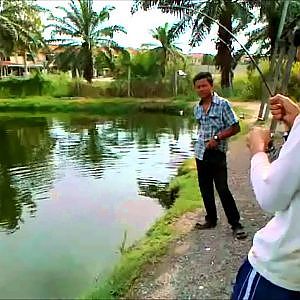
point(272, 268)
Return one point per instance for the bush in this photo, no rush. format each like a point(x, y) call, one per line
point(254, 86)
point(21, 87)
point(140, 87)
point(246, 86)
point(58, 85)
point(294, 84)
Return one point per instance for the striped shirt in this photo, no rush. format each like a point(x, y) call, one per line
point(220, 116)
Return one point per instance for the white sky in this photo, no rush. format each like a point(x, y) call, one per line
point(138, 25)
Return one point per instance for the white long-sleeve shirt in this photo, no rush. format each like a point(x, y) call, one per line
point(275, 253)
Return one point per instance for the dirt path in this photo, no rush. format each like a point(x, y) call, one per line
point(203, 264)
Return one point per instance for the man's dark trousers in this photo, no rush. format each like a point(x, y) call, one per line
point(213, 169)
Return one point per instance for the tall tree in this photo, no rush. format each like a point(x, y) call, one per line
point(83, 28)
point(167, 51)
point(20, 27)
point(30, 38)
point(223, 11)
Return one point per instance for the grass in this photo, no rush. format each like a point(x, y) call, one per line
point(157, 240)
point(90, 105)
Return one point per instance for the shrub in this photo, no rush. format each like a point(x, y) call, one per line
point(294, 84)
point(140, 87)
point(22, 87)
point(58, 85)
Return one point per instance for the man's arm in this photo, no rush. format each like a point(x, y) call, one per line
point(227, 133)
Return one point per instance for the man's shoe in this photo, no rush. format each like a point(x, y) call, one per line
point(206, 225)
point(239, 232)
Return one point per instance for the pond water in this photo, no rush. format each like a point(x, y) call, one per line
point(70, 186)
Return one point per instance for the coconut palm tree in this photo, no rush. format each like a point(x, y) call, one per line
point(30, 38)
point(223, 11)
point(8, 27)
point(20, 28)
point(82, 26)
point(167, 51)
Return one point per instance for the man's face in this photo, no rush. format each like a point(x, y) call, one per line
point(203, 88)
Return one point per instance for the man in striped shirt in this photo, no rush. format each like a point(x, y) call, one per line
point(216, 123)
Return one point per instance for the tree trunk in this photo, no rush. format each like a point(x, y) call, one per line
point(224, 57)
point(278, 34)
point(74, 72)
point(25, 63)
point(175, 83)
point(88, 64)
point(129, 81)
point(291, 58)
point(164, 63)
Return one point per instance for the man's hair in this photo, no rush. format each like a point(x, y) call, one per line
point(203, 75)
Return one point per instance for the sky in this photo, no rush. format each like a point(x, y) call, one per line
point(138, 25)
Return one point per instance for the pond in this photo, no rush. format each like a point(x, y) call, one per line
point(71, 186)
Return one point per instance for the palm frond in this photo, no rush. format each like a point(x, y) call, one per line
point(109, 31)
point(105, 13)
point(176, 7)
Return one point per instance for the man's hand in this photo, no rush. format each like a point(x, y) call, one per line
point(212, 144)
point(258, 140)
point(284, 109)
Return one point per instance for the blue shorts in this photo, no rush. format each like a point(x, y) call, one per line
point(250, 285)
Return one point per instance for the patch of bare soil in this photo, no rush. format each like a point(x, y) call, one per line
point(203, 264)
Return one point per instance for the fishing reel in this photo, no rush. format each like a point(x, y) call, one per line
point(276, 144)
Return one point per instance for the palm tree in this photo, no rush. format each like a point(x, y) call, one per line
point(20, 24)
point(20, 28)
point(223, 11)
point(81, 27)
point(168, 51)
point(126, 61)
point(8, 28)
point(70, 58)
point(30, 38)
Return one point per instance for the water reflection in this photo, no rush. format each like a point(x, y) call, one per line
point(88, 147)
point(24, 167)
point(69, 187)
point(34, 147)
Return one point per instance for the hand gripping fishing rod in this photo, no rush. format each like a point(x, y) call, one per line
point(271, 149)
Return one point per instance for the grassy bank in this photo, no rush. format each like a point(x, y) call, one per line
point(90, 105)
point(157, 239)
point(104, 106)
